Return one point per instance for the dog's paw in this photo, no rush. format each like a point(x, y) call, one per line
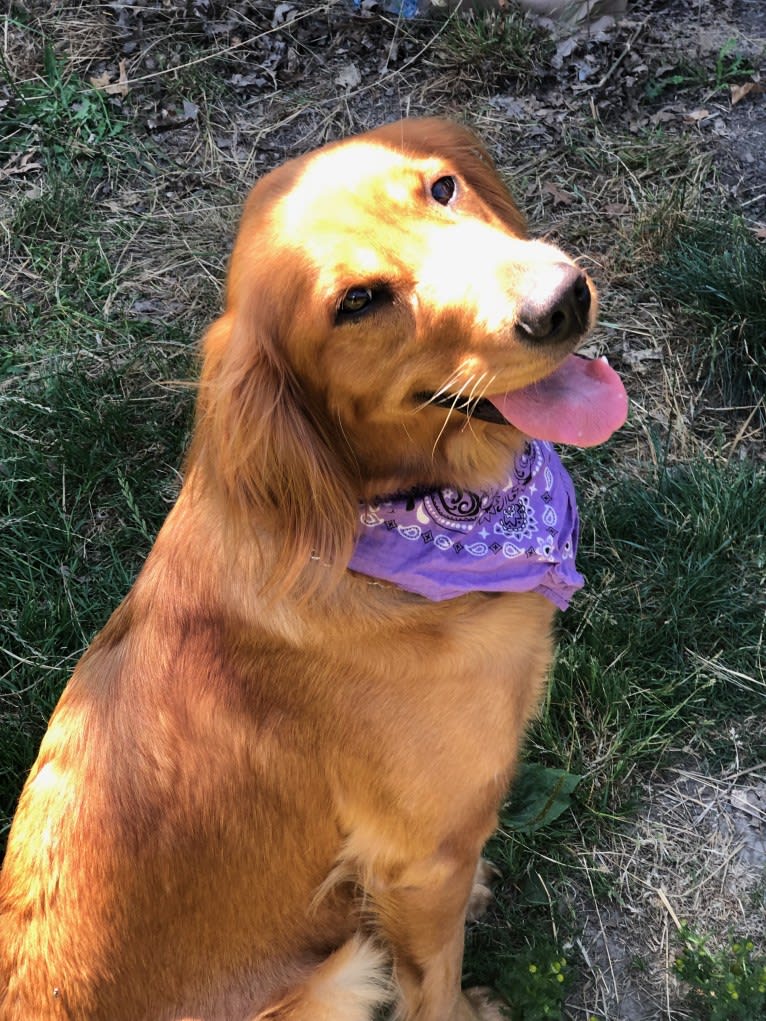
point(486, 1004)
point(485, 877)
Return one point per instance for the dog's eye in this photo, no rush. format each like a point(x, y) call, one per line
point(355, 299)
point(443, 190)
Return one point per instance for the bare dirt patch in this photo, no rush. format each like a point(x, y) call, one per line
point(697, 854)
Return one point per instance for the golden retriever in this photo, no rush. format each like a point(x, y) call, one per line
point(265, 790)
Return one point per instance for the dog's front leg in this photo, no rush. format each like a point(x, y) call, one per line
point(422, 916)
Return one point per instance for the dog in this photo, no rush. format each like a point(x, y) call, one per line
point(264, 793)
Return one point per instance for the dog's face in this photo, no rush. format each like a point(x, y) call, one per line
point(393, 272)
point(387, 322)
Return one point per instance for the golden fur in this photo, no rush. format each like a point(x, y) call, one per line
point(264, 792)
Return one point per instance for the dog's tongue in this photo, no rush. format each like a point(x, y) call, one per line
point(581, 403)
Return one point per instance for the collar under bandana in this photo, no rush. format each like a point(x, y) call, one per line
point(443, 543)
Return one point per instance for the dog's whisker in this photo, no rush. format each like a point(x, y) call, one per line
point(451, 380)
point(455, 404)
point(443, 389)
point(478, 383)
point(487, 387)
point(348, 442)
point(447, 388)
point(471, 400)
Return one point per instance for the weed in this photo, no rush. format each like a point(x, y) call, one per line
point(523, 961)
point(57, 116)
point(727, 984)
point(728, 69)
point(535, 982)
point(539, 796)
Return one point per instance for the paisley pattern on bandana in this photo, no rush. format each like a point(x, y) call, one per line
point(521, 537)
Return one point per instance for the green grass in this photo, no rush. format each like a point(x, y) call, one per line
point(675, 566)
point(59, 117)
point(713, 267)
point(499, 48)
point(86, 460)
point(728, 68)
point(90, 440)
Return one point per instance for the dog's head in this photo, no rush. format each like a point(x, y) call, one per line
point(381, 291)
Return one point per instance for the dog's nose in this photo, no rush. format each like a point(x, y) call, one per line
point(555, 305)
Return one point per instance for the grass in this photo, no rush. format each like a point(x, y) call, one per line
point(57, 117)
point(90, 439)
point(727, 68)
point(714, 268)
point(80, 500)
point(728, 984)
point(687, 544)
point(660, 659)
point(499, 48)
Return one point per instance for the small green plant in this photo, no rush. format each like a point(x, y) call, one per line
point(729, 68)
point(727, 984)
point(535, 982)
point(538, 796)
point(58, 117)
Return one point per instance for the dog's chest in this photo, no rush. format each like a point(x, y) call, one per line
point(449, 682)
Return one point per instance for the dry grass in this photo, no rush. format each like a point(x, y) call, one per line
point(695, 854)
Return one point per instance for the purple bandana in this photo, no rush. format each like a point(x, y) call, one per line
point(521, 537)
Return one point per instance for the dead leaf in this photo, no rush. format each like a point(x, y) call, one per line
point(616, 209)
point(560, 198)
point(739, 92)
point(100, 81)
point(121, 87)
point(104, 82)
point(20, 163)
point(281, 13)
point(349, 77)
point(696, 116)
point(759, 232)
point(665, 115)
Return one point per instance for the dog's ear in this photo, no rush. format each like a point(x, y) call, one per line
point(270, 456)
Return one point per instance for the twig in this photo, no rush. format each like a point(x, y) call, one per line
point(626, 50)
